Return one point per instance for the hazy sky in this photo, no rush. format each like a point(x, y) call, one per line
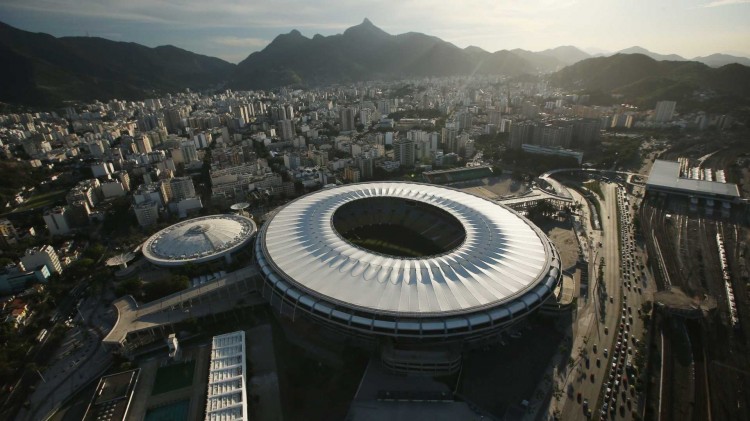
point(232, 29)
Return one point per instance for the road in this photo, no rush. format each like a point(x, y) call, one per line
point(599, 319)
point(79, 361)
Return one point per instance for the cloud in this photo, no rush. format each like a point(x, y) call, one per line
point(718, 3)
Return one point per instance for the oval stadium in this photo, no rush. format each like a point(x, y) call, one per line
point(401, 263)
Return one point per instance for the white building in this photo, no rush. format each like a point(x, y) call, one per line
point(57, 221)
point(113, 188)
point(43, 255)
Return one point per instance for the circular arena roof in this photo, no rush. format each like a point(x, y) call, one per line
point(198, 240)
point(494, 266)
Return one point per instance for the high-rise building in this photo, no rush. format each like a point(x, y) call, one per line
point(147, 213)
point(465, 121)
point(174, 119)
point(285, 129)
point(366, 167)
point(403, 152)
point(43, 255)
point(189, 152)
point(557, 134)
point(352, 174)
point(176, 189)
point(664, 111)
point(450, 142)
point(143, 143)
point(495, 117)
point(586, 132)
point(520, 133)
point(291, 160)
point(346, 117)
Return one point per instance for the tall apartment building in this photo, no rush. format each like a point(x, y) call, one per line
point(86, 190)
point(143, 143)
point(664, 111)
point(43, 255)
point(520, 133)
point(147, 213)
point(174, 119)
point(495, 117)
point(366, 167)
point(403, 152)
point(346, 117)
point(176, 189)
point(189, 152)
point(450, 141)
point(465, 121)
point(352, 174)
point(285, 129)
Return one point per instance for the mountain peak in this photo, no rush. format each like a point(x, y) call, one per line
point(366, 28)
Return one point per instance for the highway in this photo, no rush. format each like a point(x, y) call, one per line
point(598, 320)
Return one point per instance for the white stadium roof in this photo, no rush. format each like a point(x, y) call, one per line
point(502, 259)
point(198, 240)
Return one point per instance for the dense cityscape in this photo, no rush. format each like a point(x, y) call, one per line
point(509, 245)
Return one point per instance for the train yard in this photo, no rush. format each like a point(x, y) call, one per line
point(703, 359)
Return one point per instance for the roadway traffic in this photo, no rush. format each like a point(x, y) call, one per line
point(609, 326)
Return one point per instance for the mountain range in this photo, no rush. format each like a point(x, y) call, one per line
point(642, 79)
point(46, 70)
point(39, 69)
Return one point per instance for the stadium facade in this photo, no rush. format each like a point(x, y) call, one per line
point(418, 272)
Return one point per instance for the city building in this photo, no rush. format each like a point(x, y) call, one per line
point(8, 234)
point(146, 212)
point(664, 111)
point(112, 397)
point(346, 117)
point(554, 151)
point(42, 256)
point(57, 221)
point(403, 152)
point(177, 189)
point(665, 178)
point(14, 278)
point(285, 129)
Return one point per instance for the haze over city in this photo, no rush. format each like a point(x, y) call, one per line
point(232, 29)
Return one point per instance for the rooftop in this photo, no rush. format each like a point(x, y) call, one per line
point(496, 257)
point(666, 175)
point(199, 239)
point(227, 395)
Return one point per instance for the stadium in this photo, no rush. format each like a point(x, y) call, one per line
point(199, 240)
point(400, 267)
